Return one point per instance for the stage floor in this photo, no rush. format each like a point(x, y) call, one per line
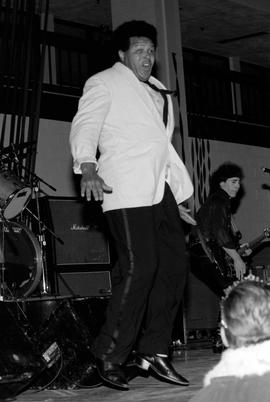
point(192, 363)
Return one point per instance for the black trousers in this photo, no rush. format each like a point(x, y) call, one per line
point(147, 282)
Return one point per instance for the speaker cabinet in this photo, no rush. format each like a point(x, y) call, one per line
point(81, 232)
point(78, 246)
point(94, 283)
point(201, 305)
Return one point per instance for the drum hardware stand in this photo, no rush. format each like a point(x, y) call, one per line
point(42, 241)
point(2, 258)
point(3, 286)
point(36, 179)
point(42, 228)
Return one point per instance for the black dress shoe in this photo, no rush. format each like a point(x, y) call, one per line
point(112, 374)
point(133, 370)
point(162, 367)
point(90, 378)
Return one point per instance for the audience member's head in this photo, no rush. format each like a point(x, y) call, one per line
point(245, 314)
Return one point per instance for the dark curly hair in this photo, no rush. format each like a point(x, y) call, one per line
point(125, 31)
point(224, 172)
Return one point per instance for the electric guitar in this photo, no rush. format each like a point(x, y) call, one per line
point(225, 263)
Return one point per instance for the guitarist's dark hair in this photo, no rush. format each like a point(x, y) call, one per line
point(224, 172)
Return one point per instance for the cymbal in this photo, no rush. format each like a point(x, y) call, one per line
point(16, 147)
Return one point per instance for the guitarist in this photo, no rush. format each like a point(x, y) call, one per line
point(216, 242)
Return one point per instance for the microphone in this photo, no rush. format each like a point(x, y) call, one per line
point(266, 170)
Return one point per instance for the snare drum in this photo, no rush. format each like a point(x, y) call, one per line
point(22, 260)
point(14, 194)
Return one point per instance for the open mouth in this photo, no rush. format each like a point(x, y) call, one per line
point(147, 65)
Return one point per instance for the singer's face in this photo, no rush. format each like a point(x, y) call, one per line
point(231, 186)
point(140, 57)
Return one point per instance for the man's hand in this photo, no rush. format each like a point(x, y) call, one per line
point(91, 182)
point(238, 263)
point(247, 251)
point(240, 268)
point(184, 214)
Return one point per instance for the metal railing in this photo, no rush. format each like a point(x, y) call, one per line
point(227, 105)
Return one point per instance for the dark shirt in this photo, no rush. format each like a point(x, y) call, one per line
point(214, 220)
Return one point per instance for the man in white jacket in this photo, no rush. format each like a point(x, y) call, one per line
point(140, 179)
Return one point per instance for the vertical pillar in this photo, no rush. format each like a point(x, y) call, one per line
point(49, 74)
point(236, 89)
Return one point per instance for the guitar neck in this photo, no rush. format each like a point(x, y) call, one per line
point(253, 244)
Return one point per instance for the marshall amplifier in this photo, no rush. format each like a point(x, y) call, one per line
point(78, 251)
point(81, 234)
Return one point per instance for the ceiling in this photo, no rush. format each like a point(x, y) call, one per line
point(237, 28)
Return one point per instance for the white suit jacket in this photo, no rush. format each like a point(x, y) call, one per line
point(117, 115)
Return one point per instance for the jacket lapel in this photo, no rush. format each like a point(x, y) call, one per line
point(143, 93)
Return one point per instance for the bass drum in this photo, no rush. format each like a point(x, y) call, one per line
point(22, 260)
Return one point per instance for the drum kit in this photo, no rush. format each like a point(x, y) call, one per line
point(22, 253)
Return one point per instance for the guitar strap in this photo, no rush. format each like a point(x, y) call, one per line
point(204, 246)
point(235, 229)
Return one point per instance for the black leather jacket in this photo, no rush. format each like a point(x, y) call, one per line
point(214, 220)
